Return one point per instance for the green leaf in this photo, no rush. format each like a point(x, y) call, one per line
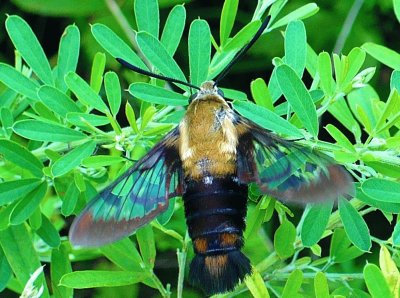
point(241, 38)
point(298, 97)
point(16, 81)
point(21, 156)
point(124, 254)
point(130, 116)
point(28, 45)
point(298, 14)
point(199, 51)
point(266, 118)
point(165, 217)
point(389, 269)
point(315, 223)
point(173, 29)
point(296, 47)
point(293, 284)
point(396, 234)
point(228, 16)
point(325, 73)
point(97, 278)
point(284, 239)
point(396, 7)
point(21, 255)
point(340, 67)
point(341, 250)
point(221, 59)
point(147, 16)
point(258, 215)
point(70, 199)
point(99, 161)
point(233, 94)
point(376, 282)
point(5, 269)
point(262, 6)
point(311, 61)
point(5, 215)
point(145, 238)
point(256, 285)
point(27, 206)
point(355, 60)
point(321, 286)
point(340, 110)
point(96, 75)
point(81, 184)
point(354, 225)
point(159, 57)
point(158, 95)
point(394, 80)
point(276, 7)
point(43, 131)
point(35, 220)
point(44, 112)
point(382, 190)
point(383, 167)
point(113, 91)
point(59, 266)
point(340, 138)
point(57, 101)
point(11, 191)
point(84, 92)
point(82, 120)
point(48, 233)
point(68, 54)
point(72, 159)
point(392, 106)
point(115, 46)
point(87, 8)
point(261, 95)
point(274, 87)
point(383, 54)
point(384, 206)
point(7, 120)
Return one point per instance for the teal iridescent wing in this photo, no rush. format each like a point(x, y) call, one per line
point(134, 199)
point(286, 170)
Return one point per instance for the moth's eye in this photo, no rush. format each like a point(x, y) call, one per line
point(192, 97)
point(220, 93)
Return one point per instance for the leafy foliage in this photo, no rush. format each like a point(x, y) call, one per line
point(62, 139)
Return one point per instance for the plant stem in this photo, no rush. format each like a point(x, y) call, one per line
point(159, 285)
point(182, 254)
point(311, 275)
point(347, 25)
point(334, 219)
point(123, 22)
point(129, 32)
point(268, 262)
point(61, 147)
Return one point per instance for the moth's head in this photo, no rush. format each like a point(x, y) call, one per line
point(208, 88)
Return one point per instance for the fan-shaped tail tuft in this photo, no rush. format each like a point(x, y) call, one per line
point(219, 273)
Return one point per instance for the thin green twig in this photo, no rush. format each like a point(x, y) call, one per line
point(160, 286)
point(347, 25)
point(182, 254)
point(122, 21)
point(311, 275)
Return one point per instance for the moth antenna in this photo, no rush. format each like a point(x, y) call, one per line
point(154, 75)
point(242, 51)
point(191, 91)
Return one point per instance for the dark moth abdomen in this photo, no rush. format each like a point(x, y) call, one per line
point(215, 211)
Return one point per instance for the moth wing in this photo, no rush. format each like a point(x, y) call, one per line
point(134, 199)
point(286, 170)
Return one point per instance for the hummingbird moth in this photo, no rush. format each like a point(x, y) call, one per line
point(209, 159)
